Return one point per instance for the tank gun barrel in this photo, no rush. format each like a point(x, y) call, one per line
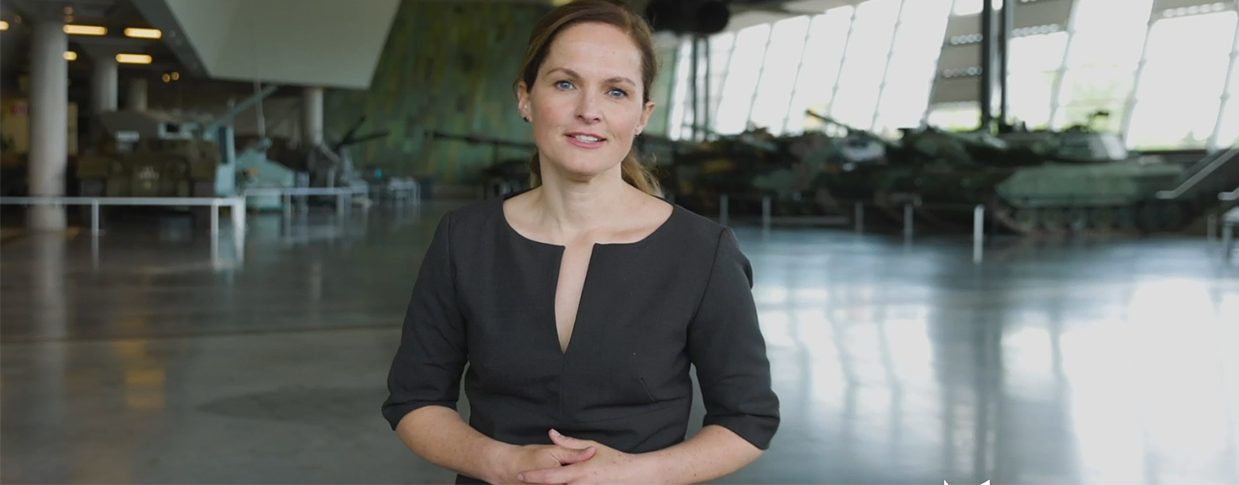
point(851, 130)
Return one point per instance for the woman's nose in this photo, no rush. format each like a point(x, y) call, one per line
point(587, 108)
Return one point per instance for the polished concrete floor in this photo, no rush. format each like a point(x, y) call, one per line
point(153, 355)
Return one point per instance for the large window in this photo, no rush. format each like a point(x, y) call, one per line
point(1100, 69)
point(779, 73)
point(910, 72)
point(1179, 92)
point(1228, 128)
point(864, 64)
point(872, 64)
point(972, 7)
point(954, 116)
point(681, 114)
point(1033, 70)
point(819, 68)
point(742, 75)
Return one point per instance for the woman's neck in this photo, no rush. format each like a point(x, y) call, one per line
point(570, 210)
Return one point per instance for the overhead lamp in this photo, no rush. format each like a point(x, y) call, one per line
point(77, 29)
point(141, 33)
point(70, 56)
point(4, 25)
point(133, 58)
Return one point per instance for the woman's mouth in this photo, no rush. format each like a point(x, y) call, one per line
point(585, 140)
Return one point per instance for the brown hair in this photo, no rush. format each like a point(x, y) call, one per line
point(605, 12)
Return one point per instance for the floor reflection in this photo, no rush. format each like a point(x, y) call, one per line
point(1103, 361)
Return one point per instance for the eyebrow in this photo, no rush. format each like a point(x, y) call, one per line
point(574, 74)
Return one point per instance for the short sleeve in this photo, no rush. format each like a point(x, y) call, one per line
point(726, 346)
point(433, 351)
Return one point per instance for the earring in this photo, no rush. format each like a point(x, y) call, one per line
point(526, 118)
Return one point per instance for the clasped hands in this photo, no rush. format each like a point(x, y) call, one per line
point(571, 460)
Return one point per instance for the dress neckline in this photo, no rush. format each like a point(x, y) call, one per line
point(503, 219)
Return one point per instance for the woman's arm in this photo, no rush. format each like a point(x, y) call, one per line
point(712, 453)
point(439, 435)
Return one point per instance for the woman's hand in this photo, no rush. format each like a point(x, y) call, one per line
point(511, 460)
point(608, 465)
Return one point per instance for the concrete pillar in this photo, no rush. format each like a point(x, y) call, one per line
point(103, 86)
point(312, 116)
point(137, 95)
point(49, 105)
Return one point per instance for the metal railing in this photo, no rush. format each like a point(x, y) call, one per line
point(237, 204)
point(287, 193)
point(1200, 171)
point(1230, 220)
point(909, 206)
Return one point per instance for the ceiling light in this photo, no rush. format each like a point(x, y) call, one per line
point(75, 29)
point(133, 58)
point(4, 25)
point(70, 56)
point(139, 33)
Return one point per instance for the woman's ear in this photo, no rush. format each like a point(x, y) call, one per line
point(522, 101)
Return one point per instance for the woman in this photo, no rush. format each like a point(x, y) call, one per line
point(580, 304)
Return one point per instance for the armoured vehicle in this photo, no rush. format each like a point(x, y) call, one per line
point(148, 155)
point(1074, 180)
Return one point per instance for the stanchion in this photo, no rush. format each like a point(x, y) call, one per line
point(94, 217)
point(859, 217)
point(978, 232)
point(214, 219)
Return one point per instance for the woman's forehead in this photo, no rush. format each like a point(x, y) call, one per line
point(595, 49)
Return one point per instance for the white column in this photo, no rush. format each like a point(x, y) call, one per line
point(312, 116)
point(137, 95)
point(103, 86)
point(49, 105)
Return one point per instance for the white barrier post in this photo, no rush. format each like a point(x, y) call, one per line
point(1211, 226)
point(238, 215)
point(978, 232)
point(94, 217)
point(858, 217)
point(1228, 235)
point(214, 218)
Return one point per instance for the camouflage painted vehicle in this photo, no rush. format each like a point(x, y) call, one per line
point(1073, 180)
point(148, 155)
point(155, 168)
point(756, 164)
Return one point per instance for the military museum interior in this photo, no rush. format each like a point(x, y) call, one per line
point(990, 241)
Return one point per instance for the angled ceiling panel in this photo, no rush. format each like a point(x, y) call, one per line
point(332, 43)
point(203, 23)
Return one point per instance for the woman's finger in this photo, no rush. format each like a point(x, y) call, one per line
point(572, 455)
point(568, 442)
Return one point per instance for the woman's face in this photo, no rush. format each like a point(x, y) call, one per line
point(586, 102)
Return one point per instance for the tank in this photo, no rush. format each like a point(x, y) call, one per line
point(148, 155)
point(756, 164)
point(1042, 181)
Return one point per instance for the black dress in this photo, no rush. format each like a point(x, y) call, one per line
point(485, 296)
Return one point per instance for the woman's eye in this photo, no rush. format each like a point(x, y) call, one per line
point(617, 93)
point(563, 85)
